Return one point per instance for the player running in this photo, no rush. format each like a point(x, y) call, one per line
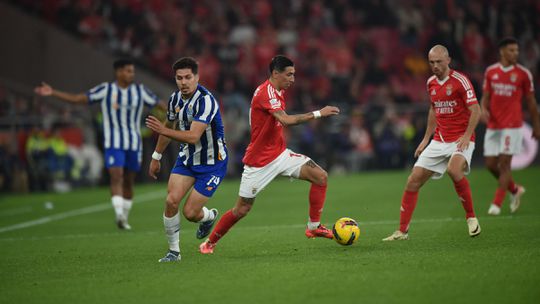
point(505, 85)
point(121, 104)
point(267, 155)
point(453, 116)
point(202, 161)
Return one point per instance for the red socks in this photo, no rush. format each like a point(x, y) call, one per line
point(499, 197)
point(408, 203)
point(317, 195)
point(225, 223)
point(464, 193)
point(512, 187)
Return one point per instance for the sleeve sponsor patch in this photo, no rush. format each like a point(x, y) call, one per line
point(275, 104)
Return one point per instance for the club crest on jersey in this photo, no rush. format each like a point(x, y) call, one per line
point(513, 77)
point(448, 90)
point(189, 110)
point(274, 103)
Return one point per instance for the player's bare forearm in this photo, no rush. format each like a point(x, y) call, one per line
point(473, 120)
point(288, 120)
point(431, 125)
point(46, 90)
point(191, 136)
point(73, 98)
point(291, 120)
point(188, 137)
point(163, 141)
point(484, 105)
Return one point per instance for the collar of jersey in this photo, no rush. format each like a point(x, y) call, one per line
point(278, 92)
point(441, 82)
point(506, 69)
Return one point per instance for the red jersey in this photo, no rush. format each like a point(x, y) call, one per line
point(267, 140)
point(506, 86)
point(450, 99)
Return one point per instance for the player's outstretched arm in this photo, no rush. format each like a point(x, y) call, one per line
point(289, 120)
point(430, 129)
point(46, 90)
point(535, 119)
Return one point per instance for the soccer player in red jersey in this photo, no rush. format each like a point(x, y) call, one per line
point(505, 85)
point(267, 155)
point(452, 118)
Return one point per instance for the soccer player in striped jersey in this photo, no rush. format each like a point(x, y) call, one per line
point(121, 103)
point(267, 155)
point(453, 116)
point(505, 85)
point(193, 119)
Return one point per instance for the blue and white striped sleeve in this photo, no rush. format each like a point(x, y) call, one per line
point(97, 93)
point(149, 98)
point(206, 110)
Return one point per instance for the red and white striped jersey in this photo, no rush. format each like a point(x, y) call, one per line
point(450, 99)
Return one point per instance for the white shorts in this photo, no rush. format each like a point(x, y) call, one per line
point(503, 141)
point(437, 155)
point(254, 179)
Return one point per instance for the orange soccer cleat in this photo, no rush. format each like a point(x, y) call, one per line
point(320, 231)
point(207, 247)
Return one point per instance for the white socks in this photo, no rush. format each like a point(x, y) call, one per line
point(118, 205)
point(172, 230)
point(127, 207)
point(208, 215)
point(313, 225)
point(121, 206)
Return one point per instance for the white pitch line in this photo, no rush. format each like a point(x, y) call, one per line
point(291, 226)
point(87, 210)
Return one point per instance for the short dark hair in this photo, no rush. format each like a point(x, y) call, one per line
point(186, 63)
point(122, 62)
point(506, 41)
point(280, 63)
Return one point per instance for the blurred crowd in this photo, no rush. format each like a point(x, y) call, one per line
point(367, 57)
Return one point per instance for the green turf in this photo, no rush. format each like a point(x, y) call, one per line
point(266, 258)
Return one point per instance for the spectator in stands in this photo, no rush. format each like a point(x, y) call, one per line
point(37, 148)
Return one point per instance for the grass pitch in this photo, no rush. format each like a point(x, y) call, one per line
point(66, 248)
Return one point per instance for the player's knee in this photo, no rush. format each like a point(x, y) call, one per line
point(322, 178)
point(191, 215)
point(455, 174)
point(173, 200)
point(413, 183)
point(242, 209)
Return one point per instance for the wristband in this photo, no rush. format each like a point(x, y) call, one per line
point(316, 114)
point(156, 156)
